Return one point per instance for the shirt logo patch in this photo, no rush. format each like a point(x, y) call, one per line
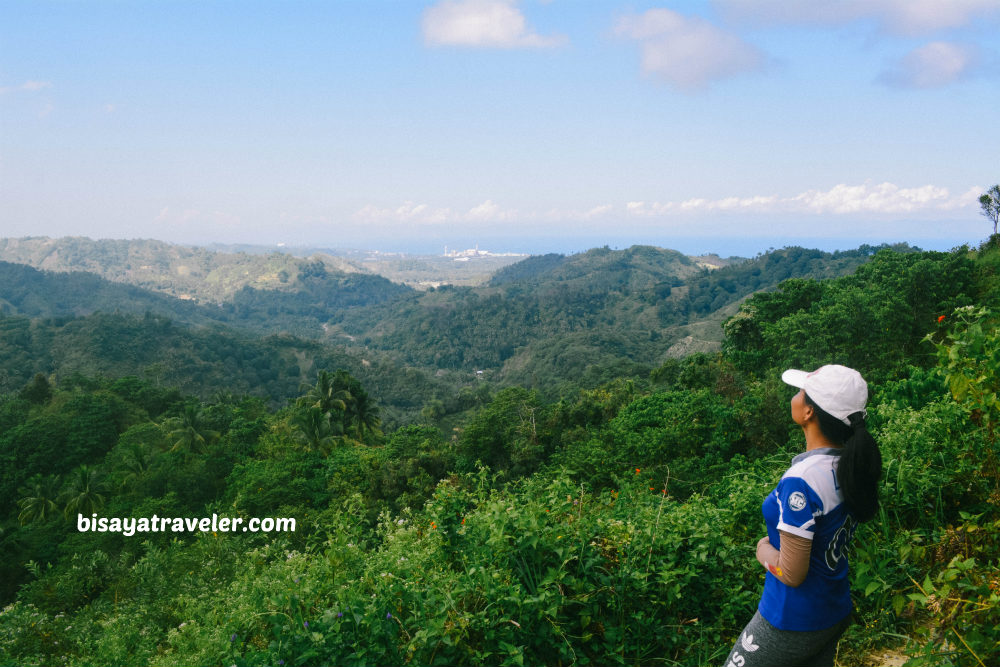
point(797, 501)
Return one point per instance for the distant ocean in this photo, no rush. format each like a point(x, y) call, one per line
point(689, 245)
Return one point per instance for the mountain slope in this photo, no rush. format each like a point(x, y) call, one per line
point(186, 272)
point(307, 301)
point(545, 322)
point(608, 307)
point(199, 361)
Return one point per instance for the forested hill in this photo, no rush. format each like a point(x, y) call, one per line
point(307, 299)
point(32, 293)
point(201, 361)
point(551, 319)
point(547, 322)
point(636, 268)
point(186, 272)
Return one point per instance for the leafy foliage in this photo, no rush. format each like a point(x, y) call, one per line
point(609, 525)
point(617, 305)
point(874, 319)
point(202, 362)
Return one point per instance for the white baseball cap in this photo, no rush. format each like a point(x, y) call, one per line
point(838, 390)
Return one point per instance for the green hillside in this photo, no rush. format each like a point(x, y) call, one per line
point(613, 525)
point(549, 322)
point(202, 361)
point(32, 293)
point(552, 322)
point(185, 272)
point(214, 274)
point(302, 306)
point(552, 319)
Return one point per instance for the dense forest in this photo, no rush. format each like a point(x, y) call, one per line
point(193, 273)
point(302, 306)
point(590, 498)
point(540, 321)
point(552, 323)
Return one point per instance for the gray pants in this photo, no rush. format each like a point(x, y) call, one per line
point(763, 645)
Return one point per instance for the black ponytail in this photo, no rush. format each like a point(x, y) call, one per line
point(859, 470)
point(860, 465)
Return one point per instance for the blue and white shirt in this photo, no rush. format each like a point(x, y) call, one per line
point(808, 502)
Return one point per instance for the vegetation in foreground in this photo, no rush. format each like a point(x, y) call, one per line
point(612, 526)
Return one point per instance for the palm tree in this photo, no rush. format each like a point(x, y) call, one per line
point(326, 395)
point(82, 492)
point(189, 433)
point(37, 502)
point(135, 463)
point(365, 415)
point(333, 399)
point(314, 429)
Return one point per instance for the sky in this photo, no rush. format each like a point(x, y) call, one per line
point(727, 126)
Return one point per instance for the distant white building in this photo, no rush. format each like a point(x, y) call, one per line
point(466, 255)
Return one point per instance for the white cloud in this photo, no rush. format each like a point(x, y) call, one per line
point(919, 16)
point(748, 204)
point(423, 214)
point(969, 198)
point(908, 17)
point(33, 86)
point(598, 211)
point(482, 23)
point(489, 211)
point(842, 199)
point(884, 199)
point(931, 66)
point(406, 212)
point(687, 52)
point(27, 86)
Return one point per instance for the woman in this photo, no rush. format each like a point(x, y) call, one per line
point(811, 517)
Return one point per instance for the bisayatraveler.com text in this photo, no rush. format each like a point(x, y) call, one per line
point(129, 526)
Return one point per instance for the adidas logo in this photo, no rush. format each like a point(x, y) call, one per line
point(747, 642)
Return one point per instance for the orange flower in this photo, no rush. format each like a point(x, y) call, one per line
point(941, 319)
point(637, 471)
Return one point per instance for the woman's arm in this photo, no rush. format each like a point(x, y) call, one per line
point(790, 565)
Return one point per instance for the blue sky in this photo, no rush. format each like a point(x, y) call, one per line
point(728, 125)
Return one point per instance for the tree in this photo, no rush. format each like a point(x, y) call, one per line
point(510, 434)
point(990, 202)
point(135, 463)
point(344, 403)
point(314, 429)
point(38, 391)
point(37, 502)
point(189, 433)
point(365, 415)
point(325, 395)
point(82, 493)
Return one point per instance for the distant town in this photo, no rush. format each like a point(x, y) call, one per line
point(466, 255)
